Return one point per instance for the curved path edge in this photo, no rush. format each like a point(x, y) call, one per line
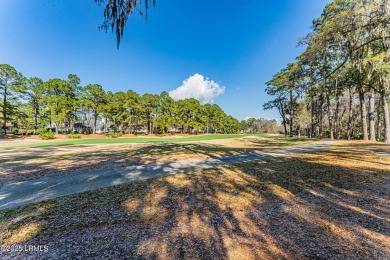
point(26, 192)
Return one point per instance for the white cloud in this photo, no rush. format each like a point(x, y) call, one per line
point(198, 87)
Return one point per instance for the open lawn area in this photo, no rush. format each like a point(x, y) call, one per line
point(25, 163)
point(61, 141)
point(329, 203)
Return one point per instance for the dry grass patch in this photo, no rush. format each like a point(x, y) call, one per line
point(33, 163)
point(327, 204)
point(261, 143)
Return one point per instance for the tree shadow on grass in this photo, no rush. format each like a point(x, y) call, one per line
point(298, 207)
point(34, 166)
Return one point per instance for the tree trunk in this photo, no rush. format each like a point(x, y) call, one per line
point(55, 120)
point(340, 124)
point(321, 119)
point(313, 105)
point(35, 118)
point(94, 123)
point(349, 130)
point(363, 115)
point(5, 110)
point(330, 119)
point(353, 126)
point(379, 120)
point(69, 124)
point(291, 113)
point(337, 127)
point(386, 120)
point(283, 115)
point(35, 124)
point(371, 115)
point(284, 122)
point(285, 127)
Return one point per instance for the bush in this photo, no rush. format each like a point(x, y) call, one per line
point(43, 130)
point(358, 136)
point(87, 131)
point(74, 136)
point(326, 133)
point(25, 132)
point(15, 131)
point(52, 129)
point(44, 134)
point(115, 134)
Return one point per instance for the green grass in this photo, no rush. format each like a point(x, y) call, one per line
point(137, 140)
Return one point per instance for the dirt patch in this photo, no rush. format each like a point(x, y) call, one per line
point(260, 143)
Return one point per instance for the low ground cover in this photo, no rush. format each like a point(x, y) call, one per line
point(136, 139)
point(31, 163)
point(326, 204)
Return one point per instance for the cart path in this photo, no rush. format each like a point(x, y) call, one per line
point(26, 192)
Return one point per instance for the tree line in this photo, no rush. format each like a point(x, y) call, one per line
point(260, 125)
point(31, 103)
point(339, 86)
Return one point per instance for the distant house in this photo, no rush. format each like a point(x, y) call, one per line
point(8, 126)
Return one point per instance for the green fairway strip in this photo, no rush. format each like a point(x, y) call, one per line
point(136, 140)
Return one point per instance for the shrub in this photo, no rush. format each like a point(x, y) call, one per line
point(358, 136)
point(74, 136)
point(25, 132)
point(115, 134)
point(44, 134)
point(326, 133)
point(87, 131)
point(43, 130)
point(52, 129)
point(15, 131)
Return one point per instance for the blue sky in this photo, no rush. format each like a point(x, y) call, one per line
point(237, 44)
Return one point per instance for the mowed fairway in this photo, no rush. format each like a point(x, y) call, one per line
point(124, 140)
point(324, 204)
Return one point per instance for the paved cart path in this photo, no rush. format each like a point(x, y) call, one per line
point(22, 193)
